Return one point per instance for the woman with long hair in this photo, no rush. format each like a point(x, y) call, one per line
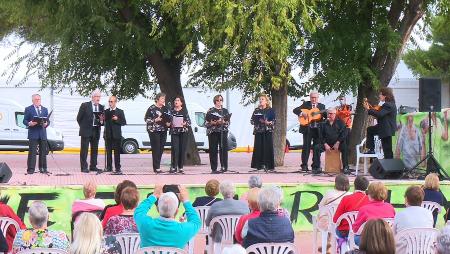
point(87, 235)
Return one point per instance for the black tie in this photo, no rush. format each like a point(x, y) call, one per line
point(38, 111)
point(96, 109)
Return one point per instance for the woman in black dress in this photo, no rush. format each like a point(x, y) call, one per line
point(179, 135)
point(157, 129)
point(263, 120)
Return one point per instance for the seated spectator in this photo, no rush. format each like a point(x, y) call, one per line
point(7, 211)
point(3, 244)
point(269, 227)
point(253, 182)
point(89, 203)
point(88, 236)
point(351, 203)
point(228, 206)
point(165, 230)
point(443, 241)
point(234, 249)
point(211, 190)
point(383, 243)
point(432, 193)
point(39, 236)
point(118, 207)
point(124, 222)
point(252, 199)
point(375, 209)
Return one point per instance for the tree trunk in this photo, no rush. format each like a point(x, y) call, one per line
point(168, 72)
point(279, 103)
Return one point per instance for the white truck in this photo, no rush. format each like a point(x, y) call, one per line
point(14, 134)
point(135, 135)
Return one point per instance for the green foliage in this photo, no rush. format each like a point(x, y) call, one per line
point(435, 61)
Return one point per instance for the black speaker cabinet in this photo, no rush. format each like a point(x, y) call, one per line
point(387, 168)
point(429, 95)
point(5, 173)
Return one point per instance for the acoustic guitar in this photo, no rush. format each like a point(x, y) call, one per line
point(376, 107)
point(313, 115)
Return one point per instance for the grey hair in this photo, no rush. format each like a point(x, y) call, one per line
point(35, 95)
point(254, 182)
point(314, 92)
point(227, 189)
point(234, 249)
point(332, 109)
point(38, 214)
point(167, 204)
point(443, 241)
point(96, 92)
point(269, 198)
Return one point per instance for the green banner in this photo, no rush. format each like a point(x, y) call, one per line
point(300, 200)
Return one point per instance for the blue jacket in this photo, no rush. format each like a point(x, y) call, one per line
point(37, 131)
point(165, 232)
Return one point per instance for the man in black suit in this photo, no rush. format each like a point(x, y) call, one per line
point(114, 120)
point(310, 132)
point(386, 123)
point(90, 119)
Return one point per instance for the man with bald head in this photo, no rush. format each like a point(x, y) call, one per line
point(114, 120)
point(332, 136)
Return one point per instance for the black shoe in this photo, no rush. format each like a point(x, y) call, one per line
point(369, 152)
point(108, 169)
point(84, 171)
point(157, 171)
point(223, 170)
point(346, 170)
point(30, 172)
point(181, 171)
point(172, 170)
point(94, 169)
point(118, 172)
point(304, 168)
point(215, 172)
point(316, 171)
point(44, 171)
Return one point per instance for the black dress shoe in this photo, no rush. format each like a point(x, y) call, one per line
point(215, 172)
point(172, 170)
point(84, 171)
point(44, 171)
point(347, 170)
point(181, 171)
point(29, 172)
point(118, 172)
point(157, 171)
point(108, 169)
point(316, 171)
point(94, 169)
point(304, 168)
point(223, 170)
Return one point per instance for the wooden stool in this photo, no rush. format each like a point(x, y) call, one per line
point(333, 163)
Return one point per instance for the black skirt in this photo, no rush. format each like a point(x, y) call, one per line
point(263, 151)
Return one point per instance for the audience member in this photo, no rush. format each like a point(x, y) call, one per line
point(89, 203)
point(376, 238)
point(118, 207)
point(253, 182)
point(252, 199)
point(443, 241)
point(7, 211)
point(124, 222)
point(88, 235)
point(234, 249)
point(351, 203)
point(39, 236)
point(3, 244)
point(211, 190)
point(228, 206)
point(269, 227)
point(375, 209)
point(432, 193)
point(165, 230)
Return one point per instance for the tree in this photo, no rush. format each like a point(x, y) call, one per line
point(127, 47)
point(359, 47)
point(435, 61)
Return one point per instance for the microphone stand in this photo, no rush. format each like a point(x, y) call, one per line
point(221, 149)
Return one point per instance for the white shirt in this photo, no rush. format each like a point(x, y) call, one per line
point(413, 217)
point(38, 109)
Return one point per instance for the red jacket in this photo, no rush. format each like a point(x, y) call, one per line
point(349, 203)
point(241, 223)
point(373, 210)
point(6, 211)
point(111, 211)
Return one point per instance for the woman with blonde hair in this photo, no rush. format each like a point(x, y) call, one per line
point(263, 119)
point(88, 235)
point(432, 193)
point(383, 243)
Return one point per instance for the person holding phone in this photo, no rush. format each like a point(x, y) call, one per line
point(114, 120)
point(178, 130)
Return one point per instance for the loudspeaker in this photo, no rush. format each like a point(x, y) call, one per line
point(429, 95)
point(5, 173)
point(387, 168)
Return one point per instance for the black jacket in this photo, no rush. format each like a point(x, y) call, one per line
point(113, 129)
point(386, 119)
point(330, 134)
point(308, 105)
point(85, 118)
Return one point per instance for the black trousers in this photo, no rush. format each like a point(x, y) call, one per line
point(93, 142)
point(386, 142)
point(179, 142)
point(32, 152)
point(263, 154)
point(216, 146)
point(319, 148)
point(110, 145)
point(157, 141)
point(310, 134)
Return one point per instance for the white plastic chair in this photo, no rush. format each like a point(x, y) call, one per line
point(129, 243)
point(203, 213)
point(160, 250)
point(351, 234)
point(42, 251)
point(360, 154)
point(272, 248)
point(350, 217)
point(431, 206)
point(228, 224)
point(417, 240)
point(5, 222)
point(327, 210)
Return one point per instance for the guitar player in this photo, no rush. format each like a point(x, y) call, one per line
point(311, 131)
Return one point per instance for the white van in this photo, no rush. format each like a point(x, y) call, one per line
point(14, 134)
point(135, 136)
